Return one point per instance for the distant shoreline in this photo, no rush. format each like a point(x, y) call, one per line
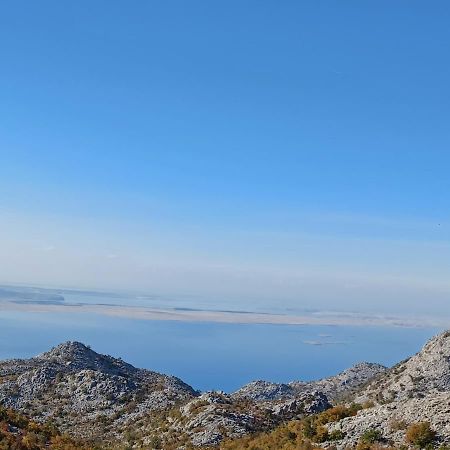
point(238, 317)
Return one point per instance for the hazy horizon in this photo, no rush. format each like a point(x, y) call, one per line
point(292, 154)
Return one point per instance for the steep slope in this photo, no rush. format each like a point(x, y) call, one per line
point(213, 416)
point(100, 398)
point(427, 370)
point(91, 396)
point(335, 387)
point(415, 390)
point(20, 433)
point(74, 386)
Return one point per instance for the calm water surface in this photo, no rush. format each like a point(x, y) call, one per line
point(213, 355)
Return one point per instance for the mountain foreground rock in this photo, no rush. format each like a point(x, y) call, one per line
point(335, 387)
point(416, 390)
point(107, 403)
point(86, 393)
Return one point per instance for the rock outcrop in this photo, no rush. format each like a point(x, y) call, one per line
point(90, 395)
point(415, 390)
point(73, 386)
point(213, 416)
point(335, 388)
point(93, 396)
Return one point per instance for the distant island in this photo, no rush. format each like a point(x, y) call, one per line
point(48, 300)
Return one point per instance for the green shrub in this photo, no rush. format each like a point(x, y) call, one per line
point(371, 436)
point(420, 434)
point(336, 435)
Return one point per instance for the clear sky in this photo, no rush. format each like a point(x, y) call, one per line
point(283, 152)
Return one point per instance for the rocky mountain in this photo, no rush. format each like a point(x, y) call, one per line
point(93, 396)
point(214, 416)
point(335, 387)
point(108, 403)
point(426, 371)
point(414, 391)
point(86, 393)
point(21, 433)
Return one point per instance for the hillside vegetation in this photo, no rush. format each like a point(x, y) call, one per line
point(20, 433)
point(74, 398)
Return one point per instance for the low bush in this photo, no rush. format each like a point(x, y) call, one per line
point(371, 436)
point(420, 434)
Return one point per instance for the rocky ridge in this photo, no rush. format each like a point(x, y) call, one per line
point(335, 387)
point(72, 386)
point(415, 390)
point(92, 395)
point(214, 416)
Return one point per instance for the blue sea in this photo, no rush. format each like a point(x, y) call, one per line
point(213, 355)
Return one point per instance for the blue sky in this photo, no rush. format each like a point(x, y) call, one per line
point(292, 152)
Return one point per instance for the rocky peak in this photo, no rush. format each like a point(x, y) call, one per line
point(265, 390)
point(437, 348)
point(364, 367)
point(415, 377)
point(347, 381)
point(333, 387)
point(68, 350)
point(73, 381)
point(415, 390)
point(359, 373)
point(77, 356)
